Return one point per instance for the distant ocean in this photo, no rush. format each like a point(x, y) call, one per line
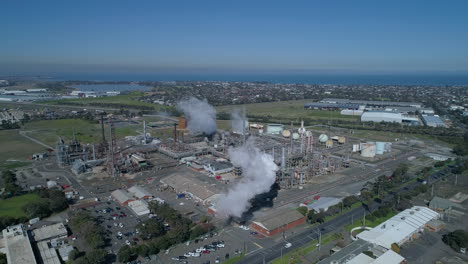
point(333, 79)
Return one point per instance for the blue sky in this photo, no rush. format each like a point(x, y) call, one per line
point(234, 36)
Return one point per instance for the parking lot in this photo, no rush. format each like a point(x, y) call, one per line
point(111, 221)
point(231, 249)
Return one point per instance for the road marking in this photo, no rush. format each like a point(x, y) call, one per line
point(257, 244)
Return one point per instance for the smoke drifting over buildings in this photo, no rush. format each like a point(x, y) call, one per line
point(201, 116)
point(239, 121)
point(259, 174)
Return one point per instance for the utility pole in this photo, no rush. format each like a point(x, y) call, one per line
point(432, 190)
point(456, 179)
point(364, 220)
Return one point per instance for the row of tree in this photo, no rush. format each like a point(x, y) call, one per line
point(11, 188)
point(51, 201)
point(85, 225)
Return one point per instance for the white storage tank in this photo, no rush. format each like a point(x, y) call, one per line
point(286, 133)
point(296, 136)
point(323, 138)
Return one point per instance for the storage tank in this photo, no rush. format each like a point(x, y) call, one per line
point(323, 138)
point(286, 133)
point(379, 148)
point(296, 136)
point(274, 129)
point(341, 140)
point(368, 150)
point(329, 143)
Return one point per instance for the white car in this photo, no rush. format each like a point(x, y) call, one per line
point(127, 242)
point(198, 250)
point(188, 255)
point(121, 225)
point(287, 245)
point(220, 245)
point(196, 255)
point(245, 227)
point(119, 233)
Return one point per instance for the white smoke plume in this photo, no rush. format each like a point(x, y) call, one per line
point(239, 121)
point(201, 116)
point(259, 174)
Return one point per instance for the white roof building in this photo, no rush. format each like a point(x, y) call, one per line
point(140, 207)
point(48, 232)
point(17, 245)
point(389, 257)
point(323, 203)
point(140, 192)
point(48, 254)
point(391, 117)
point(400, 228)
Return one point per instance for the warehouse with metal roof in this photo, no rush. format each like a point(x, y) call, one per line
point(270, 225)
point(400, 228)
point(122, 197)
point(433, 121)
point(140, 192)
point(391, 117)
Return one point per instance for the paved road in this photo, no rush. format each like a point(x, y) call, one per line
point(268, 254)
point(23, 133)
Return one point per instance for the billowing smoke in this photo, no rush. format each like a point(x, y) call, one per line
point(239, 121)
point(201, 116)
point(259, 174)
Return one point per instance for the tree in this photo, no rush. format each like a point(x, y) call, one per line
point(142, 250)
point(3, 258)
point(95, 239)
point(456, 239)
point(302, 209)
point(38, 208)
point(125, 254)
point(151, 228)
point(349, 201)
point(97, 256)
point(74, 254)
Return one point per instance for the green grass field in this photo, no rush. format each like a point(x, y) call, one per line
point(293, 110)
point(48, 131)
point(119, 101)
point(12, 207)
point(15, 149)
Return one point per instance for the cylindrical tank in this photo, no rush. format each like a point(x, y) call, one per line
point(379, 148)
point(296, 136)
point(274, 129)
point(286, 133)
point(329, 143)
point(308, 133)
point(368, 150)
point(341, 140)
point(323, 138)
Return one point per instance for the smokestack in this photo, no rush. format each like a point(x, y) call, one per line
point(283, 159)
point(144, 131)
point(102, 129)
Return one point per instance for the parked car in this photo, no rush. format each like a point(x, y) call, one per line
point(127, 242)
point(288, 245)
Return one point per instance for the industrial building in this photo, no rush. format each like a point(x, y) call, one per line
point(400, 228)
point(270, 225)
point(331, 106)
point(274, 129)
point(122, 197)
point(48, 253)
point(391, 117)
point(17, 245)
point(139, 192)
point(370, 103)
point(139, 207)
point(321, 204)
point(200, 191)
point(217, 167)
point(433, 121)
point(55, 231)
